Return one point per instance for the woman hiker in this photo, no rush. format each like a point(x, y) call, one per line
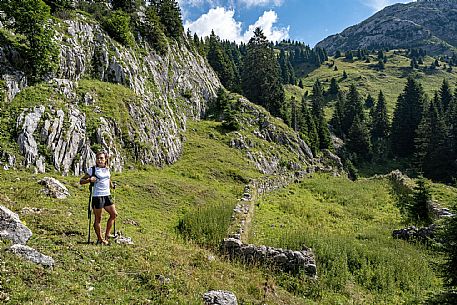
point(101, 198)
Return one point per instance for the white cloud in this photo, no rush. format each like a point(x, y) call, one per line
point(378, 5)
point(223, 23)
point(250, 3)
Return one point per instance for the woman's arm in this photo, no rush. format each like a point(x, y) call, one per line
point(87, 179)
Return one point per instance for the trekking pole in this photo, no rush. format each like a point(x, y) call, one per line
point(114, 199)
point(89, 213)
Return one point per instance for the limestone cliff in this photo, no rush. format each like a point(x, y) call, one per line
point(64, 124)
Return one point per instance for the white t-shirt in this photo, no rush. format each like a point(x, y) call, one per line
point(101, 186)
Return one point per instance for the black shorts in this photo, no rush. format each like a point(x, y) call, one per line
point(101, 202)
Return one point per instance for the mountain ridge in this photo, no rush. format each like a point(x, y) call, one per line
point(430, 25)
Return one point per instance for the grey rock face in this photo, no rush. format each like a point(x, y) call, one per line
point(27, 123)
point(429, 25)
point(173, 88)
point(32, 255)
point(11, 227)
point(220, 297)
point(54, 188)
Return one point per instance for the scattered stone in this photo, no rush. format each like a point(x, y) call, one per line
point(130, 222)
point(31, 211)
point(54, 188)
point(220, 297)
point(11, 227)
point(416, 234)
point(162, 279)
point(123, 240)
point(4, 297)
point(32, 255)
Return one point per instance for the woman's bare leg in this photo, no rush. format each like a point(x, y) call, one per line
point(111, 209)
point(97, 226)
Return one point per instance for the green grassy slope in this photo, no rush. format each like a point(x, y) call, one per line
point(368, 79)
point(349, 226)
point(208, 174)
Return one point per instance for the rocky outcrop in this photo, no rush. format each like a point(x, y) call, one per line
point(54, 188)
point(12, 228)
point(262, 135)
point(219, 297)
point(430, 25)
point(169, 89)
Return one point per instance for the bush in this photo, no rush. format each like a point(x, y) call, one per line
point(117, 24)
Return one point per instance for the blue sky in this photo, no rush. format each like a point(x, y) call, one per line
point(308, 21)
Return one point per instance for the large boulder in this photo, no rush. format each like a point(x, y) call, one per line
point(11, 227)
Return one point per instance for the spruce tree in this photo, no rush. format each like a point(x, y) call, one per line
point(421, 197)
point(406, 119)
point(369, 101)
point(334, 88)
point(153, 31)
point(380, 120)
point(319, 118)
point(433, 150)
point(221, 62)
point(261, 80)
point(307, 127)
point(450, 250)
point(352, 108)
point(170, 16)
point(337, 116)
point(445, 95)
point(358, 140)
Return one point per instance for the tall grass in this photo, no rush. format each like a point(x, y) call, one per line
point(348, 225)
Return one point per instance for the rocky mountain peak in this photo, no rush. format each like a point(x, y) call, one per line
point(427, 24)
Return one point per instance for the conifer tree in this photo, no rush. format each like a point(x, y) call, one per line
point(406, 119)
point(433, 150)
point(307, 127)
point(318, 115)
point(358, 140)
point(380, 128)
point(334, 88)
point(421, 197)
point(445, 95)
point(380, 121)
point(369, 101)
point(336, 120)
point(352, 108)
point(450, 265)
point(261, 76)
point(170, 16)
point(128, 6)
point(153, 30)
point(221, 62)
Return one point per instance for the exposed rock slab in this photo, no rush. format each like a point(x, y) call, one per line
point(32, 255)
point(54, 188)
point(12, 228)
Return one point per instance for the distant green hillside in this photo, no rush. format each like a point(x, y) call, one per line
point(369, 79)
